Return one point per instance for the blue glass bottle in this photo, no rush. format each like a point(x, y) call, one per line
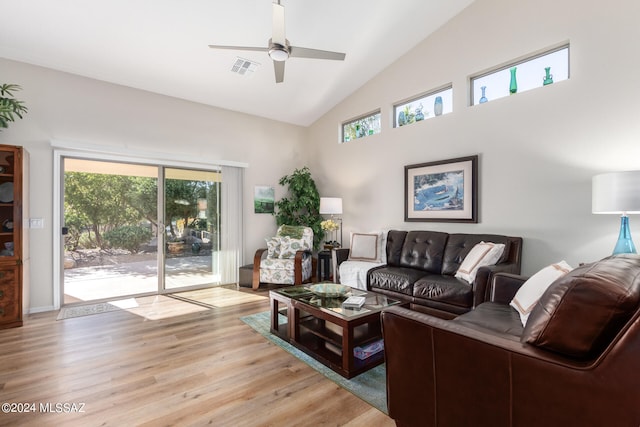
point(483, 98)
point(437, 106)
point(624, 245)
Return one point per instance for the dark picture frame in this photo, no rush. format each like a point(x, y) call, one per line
point(442, 191)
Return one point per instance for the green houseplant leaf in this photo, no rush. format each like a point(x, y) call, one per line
point(301, 206)
point(10, 108)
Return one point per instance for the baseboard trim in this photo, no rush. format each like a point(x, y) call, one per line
point(34, 310)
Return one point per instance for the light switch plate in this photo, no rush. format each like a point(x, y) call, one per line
point(36, 222)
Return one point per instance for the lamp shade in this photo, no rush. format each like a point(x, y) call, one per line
point(331, 205)
point(616, 193)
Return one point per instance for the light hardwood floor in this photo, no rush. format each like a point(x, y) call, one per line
point(203, 368)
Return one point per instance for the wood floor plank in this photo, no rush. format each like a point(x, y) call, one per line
point(199, 368)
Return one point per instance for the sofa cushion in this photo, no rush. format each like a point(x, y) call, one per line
point(289, 246)
point(280, 271)
point(459, 245)
point(395, 241)
point(530, 292)
point(397, 279)
point(445, 289)
point(495, 317)
point(482, 254)
point(354, 273)
point(423, 250)
point(581, 312)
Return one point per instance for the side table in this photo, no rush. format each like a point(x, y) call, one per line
point(324, 265)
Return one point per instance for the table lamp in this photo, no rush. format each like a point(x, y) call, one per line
point(332, 206)
point(618, 193)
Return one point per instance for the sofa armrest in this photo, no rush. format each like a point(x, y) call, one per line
point(503, 287)
point(297, 262)
point(437, 369)
point(423, 383)
point(255, 283)
point(297, 267)
point(481, 285)
point(338, 256)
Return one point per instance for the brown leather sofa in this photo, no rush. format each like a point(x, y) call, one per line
point(421, 268)
point(575, 363)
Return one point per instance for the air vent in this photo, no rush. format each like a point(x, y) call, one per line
point(244, 66)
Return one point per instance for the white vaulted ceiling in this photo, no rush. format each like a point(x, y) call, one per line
point(162, 46)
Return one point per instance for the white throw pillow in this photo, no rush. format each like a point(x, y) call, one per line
point(530, 292)
point(365, 247)
point(480, 255)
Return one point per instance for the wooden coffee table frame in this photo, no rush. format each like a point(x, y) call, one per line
point(325, 336)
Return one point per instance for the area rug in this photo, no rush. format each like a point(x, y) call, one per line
point(85, 310)
point(369, 386)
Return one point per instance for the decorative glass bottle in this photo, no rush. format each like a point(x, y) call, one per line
point(513, 85)
point(437, 106)
point(624, 245)
point(548, 78)
point(419, 113)
point(483, 98)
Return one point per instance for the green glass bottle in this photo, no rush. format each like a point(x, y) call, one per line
point(548, 77)
point(513, 85)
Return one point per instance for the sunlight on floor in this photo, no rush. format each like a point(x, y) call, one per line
point(220, 297)
point(157, 307)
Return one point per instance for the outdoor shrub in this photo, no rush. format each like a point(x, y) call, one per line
point(128, 237)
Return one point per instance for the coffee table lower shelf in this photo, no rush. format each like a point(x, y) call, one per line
point(317, 349)
point(327, 337)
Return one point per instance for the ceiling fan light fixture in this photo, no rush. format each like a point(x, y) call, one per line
point(278, 53)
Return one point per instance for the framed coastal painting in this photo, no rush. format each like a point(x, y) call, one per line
point(264, 199)
point(445, 190)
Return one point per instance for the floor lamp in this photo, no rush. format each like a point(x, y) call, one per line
point(618, 193)
point(332, 206)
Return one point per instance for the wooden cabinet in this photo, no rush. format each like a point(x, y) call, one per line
point(11, 235)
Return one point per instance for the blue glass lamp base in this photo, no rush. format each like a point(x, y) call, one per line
point(625, 244)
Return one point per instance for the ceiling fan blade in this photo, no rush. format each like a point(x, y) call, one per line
point(278, 25)
point(256, 49)
point(278, 67)
point(303, 52)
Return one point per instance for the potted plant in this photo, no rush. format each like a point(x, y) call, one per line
point(10, 108)
point(302, 205)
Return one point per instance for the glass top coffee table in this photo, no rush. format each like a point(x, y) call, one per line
point(312, 318)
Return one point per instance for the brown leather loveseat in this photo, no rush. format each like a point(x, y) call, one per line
point(575, 363)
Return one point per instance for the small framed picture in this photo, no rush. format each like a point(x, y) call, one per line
point(443, 191)
point(264, 199)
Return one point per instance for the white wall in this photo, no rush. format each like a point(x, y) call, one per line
point(538, 149)
point(71, 108)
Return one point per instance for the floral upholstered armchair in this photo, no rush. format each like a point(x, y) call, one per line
point(288, 259)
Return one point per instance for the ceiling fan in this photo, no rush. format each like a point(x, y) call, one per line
point(279, 48)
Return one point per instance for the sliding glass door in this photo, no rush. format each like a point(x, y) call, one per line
point(134, 229)
point(192, 224)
